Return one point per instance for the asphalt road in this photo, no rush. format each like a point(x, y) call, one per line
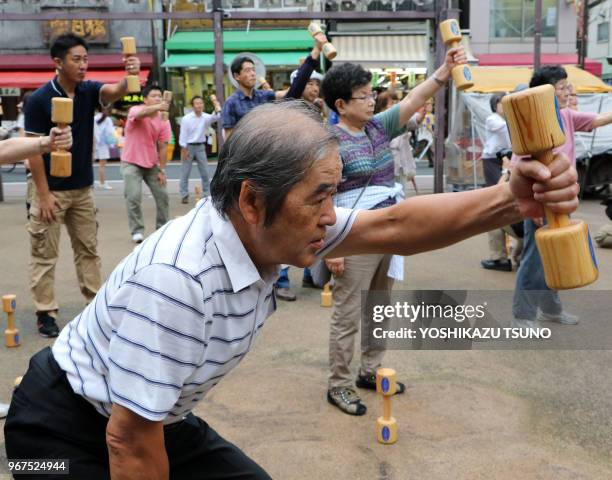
point(475, 414)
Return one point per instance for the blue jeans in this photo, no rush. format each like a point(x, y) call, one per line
point(531, 290)
point(197, 152)
point(283, 278)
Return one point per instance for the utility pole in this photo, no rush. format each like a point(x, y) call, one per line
point(219, 67)
point(537, 35)
point(441, 98)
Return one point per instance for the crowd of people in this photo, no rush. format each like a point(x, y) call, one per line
point(116, 390)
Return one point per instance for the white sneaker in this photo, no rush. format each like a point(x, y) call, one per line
point(137, 238)
point(525, 324)
point(106, 186)
point(563, 318)
point(4, 408)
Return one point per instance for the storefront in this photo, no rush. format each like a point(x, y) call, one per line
point(191, 58)
point(21, 73)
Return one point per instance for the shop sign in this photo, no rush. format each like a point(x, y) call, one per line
point(10, 92)
point(93, 31)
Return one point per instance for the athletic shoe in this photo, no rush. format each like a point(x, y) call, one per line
point(137, 238)
point(347, 400)
point(500, 265)
point(563, 317)
point(285, 294)
point(46, 325)
point(525, 324)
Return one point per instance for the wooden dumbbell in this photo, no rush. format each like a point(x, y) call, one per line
point(61, 114)
point(11, 334)
point(451, 36)
point(129, 49)
point(326, 296)
point(386, 426)
point(166, 97)
point(564, 245)
point(329, 50)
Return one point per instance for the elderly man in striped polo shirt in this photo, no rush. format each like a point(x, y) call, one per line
point(114, 395)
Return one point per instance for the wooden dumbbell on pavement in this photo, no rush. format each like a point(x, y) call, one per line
point(326, 296)
point(564, 245)
point(11, 334)
point(129, 49)
point(451, 36)
point(61, 114)
point(329, 50)
point(386, 426)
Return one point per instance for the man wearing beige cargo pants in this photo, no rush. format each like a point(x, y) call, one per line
point(66, 200)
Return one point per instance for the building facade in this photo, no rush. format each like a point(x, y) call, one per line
point(600, 37)
point(24, 45)
point(502, 33)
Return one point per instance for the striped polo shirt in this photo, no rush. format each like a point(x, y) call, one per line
point(173, 318)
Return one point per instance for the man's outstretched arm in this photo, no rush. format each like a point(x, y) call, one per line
point(430, 222)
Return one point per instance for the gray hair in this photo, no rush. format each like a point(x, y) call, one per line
point(273, 147)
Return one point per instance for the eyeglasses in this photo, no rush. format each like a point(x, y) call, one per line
point(364, 98)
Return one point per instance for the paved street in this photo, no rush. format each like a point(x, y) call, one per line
point(466, 414)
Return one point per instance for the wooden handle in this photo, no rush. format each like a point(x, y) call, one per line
point(554, 220)
point(387, 408)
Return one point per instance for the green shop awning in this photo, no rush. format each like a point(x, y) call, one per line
point(207, 60)
point(241, 40)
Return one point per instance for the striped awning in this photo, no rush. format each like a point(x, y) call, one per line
point(386, 51)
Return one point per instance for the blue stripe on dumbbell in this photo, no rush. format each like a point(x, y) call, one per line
point(386, 434)
point(13, 304)
point(592, 250)
point(467, 74)
point(384, 385)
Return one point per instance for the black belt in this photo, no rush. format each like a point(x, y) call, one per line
point(200, 143)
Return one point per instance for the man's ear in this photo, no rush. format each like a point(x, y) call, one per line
point(58, 63)
point(251, 204)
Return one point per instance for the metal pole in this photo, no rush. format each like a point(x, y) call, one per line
point(219, 67)
point(441, 112)
point(537, 35)
point(584, 34)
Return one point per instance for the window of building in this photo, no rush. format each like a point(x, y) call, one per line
point(515, 19)
point(603, 32)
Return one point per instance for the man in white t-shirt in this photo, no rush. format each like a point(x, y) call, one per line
point(114, 395)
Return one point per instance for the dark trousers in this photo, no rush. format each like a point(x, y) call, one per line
point(492, 170)
point(48, 420)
